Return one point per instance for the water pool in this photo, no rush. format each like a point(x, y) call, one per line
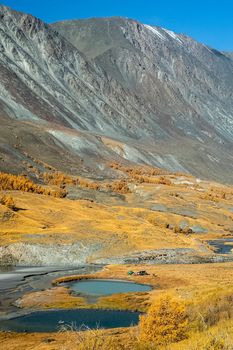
point(52, 321)
point(97, 288)
point(222, 246)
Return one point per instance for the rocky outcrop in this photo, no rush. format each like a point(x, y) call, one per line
point(46, 255)
point(175, 256)
point(78, 253)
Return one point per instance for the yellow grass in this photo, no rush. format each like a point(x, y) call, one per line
point(124, 227)
point(53, 298)
point(65, 221)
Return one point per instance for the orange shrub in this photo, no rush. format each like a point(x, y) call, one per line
point(164, 181)
point(58, 178)
point(216, 194)
point(120, 186)
point(166, 322)
point(138, 170)
point(88, 184)
point(61, 193)
point(9, 182)
point(143, 174)
point(8, 201)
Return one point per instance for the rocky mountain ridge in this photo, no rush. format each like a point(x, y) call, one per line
point(97, 90)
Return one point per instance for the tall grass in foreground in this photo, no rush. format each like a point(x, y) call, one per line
point(91, 339)
point(215, 338)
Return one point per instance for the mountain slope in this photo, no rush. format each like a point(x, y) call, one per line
point(182, 78)
point(105, 89)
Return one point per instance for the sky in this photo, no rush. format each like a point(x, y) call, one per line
point(210, 22)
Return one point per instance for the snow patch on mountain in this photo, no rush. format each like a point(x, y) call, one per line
point(173, 35)
point(155, 31)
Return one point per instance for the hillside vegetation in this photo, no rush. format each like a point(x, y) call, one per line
point(10, 182)
point(138, 209)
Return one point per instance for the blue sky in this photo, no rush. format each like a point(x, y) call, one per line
point(210, 22)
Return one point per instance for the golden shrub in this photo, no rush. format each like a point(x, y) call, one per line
point(10, 182)
point(138, 170)
point(88, 184)
point(58, 178)
point(143, 174)
point(166, 322)
point(8, 201)
point(119, 186)
point(216, 194)
point(164, 181)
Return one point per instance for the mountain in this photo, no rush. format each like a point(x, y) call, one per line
point(79, 94)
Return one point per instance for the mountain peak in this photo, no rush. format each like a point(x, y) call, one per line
point(146, 87)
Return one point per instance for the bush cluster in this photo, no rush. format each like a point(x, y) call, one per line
point(166, 322)
point(9, 182)
point(143, 174)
